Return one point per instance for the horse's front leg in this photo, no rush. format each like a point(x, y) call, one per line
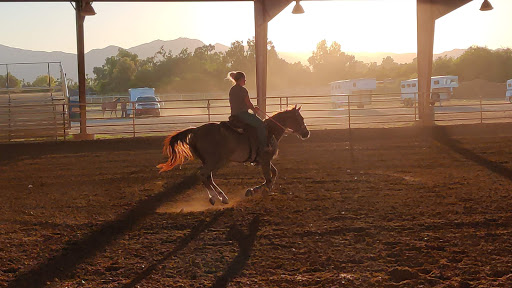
point(267, 173)
point(273, 170)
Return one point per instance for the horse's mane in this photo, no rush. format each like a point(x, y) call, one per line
point(290, 108)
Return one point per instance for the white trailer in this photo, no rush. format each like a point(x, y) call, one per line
point(509, 91)
point(441, 88)
point(359, 90)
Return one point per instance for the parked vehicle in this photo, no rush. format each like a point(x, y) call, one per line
point(147, 105)
point(359, 90)
point(441, 88)
point(509, 91)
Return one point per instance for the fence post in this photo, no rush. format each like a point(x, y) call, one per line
point(415, 103)
point(349, 124)
point(280, 103)
point(64, 120)
point(9, 95)
point(481, 112)
point(208, 109)
point(134, 112)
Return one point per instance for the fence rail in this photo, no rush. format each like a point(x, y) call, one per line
point(319, 111)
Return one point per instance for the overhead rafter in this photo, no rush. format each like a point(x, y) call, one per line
point(441, 7)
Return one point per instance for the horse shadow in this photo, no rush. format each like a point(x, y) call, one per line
point(76, 252)
point(245, 243)
point(182, 244)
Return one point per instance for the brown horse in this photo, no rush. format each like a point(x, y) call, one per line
point(110, 106)
point(216, 145)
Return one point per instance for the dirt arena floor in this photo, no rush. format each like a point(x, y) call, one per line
point(373, 208)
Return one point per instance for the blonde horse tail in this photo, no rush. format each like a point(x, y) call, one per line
point(176, 147)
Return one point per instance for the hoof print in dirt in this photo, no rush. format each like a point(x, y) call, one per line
point(402, 274)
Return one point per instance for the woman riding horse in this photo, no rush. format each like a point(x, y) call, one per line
point(240, 104)
point(217, 144)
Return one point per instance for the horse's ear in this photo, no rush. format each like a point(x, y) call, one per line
point(295, 108)
point(298, 109)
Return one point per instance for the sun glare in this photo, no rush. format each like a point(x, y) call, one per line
point(359, 26)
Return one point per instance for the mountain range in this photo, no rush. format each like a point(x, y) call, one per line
point(96, 57)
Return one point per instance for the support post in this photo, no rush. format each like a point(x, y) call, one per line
point(261, 29)
point(9, 95)
point(81, 72)
point(426, 28)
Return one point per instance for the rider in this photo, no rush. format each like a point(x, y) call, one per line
point(240, 104)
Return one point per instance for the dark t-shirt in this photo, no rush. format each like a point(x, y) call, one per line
point(237, 99)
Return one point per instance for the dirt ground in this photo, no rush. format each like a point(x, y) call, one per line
point(373, 208)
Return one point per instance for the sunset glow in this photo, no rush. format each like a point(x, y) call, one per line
point(359, 26)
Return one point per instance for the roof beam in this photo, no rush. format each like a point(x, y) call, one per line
point(273, 7)
point(441, 7)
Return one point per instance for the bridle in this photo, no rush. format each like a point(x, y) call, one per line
point(303, 127)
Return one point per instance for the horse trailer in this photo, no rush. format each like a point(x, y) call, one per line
point(509, 91)
point(353, 91)
point(140, 92)
point(441, 88)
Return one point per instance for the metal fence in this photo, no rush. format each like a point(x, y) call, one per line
point(320, 112)
point(33, 113)
point(385, 110)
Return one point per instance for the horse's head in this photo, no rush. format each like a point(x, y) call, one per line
point(295, 122)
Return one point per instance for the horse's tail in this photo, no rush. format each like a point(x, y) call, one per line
point(176, 147)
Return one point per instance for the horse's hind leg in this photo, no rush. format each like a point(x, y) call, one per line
point(206, 177)
point(223, 198)
point(209, 188)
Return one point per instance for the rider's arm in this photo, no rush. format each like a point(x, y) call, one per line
point(249, 104)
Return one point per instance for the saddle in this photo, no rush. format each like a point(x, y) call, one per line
point(238, 126)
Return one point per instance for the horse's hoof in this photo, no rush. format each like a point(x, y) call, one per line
point(212, 201)
point(249, 192)
point(225, 201)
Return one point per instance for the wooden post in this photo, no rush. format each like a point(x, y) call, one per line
point(81, 72)
point(81, 66)
point(9, 95)
point(425, 30)
point(261, 28)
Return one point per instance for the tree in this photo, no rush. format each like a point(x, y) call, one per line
point(42, 81)
point(470, 65)
point(443, 66)
point(331, 64)
point(117, 72)
point(13, 81)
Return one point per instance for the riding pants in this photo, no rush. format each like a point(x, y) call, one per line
point(257, 123)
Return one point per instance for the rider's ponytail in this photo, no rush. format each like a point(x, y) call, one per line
point(235, 76)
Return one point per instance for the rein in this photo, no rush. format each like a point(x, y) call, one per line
point(278, 124)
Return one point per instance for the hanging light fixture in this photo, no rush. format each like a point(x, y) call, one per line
point(486, 6)
point(297, 9)
point(87, 9)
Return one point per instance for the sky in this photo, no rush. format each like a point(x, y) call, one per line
point(357, 25)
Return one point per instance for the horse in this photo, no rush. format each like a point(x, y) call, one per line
point(216, 144)
point(110, 106)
